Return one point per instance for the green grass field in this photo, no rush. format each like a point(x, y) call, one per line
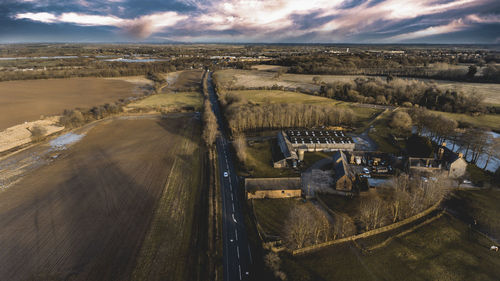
point(481, 205)
point(271, 214)
point(263, 77)
point(489, 121)
point(445, 249)
point(171, 101)
point(380, 134)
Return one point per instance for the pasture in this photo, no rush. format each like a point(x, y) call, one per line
point(445, 249)
point(264, 77)
point(186, 80)
point(271, 214)
point(171, 101)
point(27, 100)
point(115, 205)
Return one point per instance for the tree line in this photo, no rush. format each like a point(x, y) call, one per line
point(403, 92)
point(96, 68)
point(247, 117)
point(210, 127)
point(409, 65)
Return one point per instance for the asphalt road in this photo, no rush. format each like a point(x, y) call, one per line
point(237, 260)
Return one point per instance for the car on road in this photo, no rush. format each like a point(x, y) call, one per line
point(365, 170)
point(226, 174)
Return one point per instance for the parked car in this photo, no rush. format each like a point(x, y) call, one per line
point(226, 174)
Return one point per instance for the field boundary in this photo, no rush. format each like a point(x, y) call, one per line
point(368, 233)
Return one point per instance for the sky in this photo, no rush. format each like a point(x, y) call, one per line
point(251, 21)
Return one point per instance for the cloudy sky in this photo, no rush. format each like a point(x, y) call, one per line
point(284, 21)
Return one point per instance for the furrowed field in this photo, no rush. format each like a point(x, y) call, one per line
point(22, 101)
point(117, 205)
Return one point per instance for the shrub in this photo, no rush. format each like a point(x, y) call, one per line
point(37, 133)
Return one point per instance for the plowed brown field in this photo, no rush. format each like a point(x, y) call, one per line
point(22, 101)
point(87, 215)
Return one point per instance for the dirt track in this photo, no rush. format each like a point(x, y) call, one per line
point(84, 216)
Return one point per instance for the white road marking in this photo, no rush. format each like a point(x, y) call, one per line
point(238, 251)
point(250, 254)
point(232, 206)
point(232, 197)
point(234, 218)
point(239, 267)
point(236, 233)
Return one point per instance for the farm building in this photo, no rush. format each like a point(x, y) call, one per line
point(259, 188)
point(283, 154)
point(445, 159)
point(344, 177)
point(294, 143)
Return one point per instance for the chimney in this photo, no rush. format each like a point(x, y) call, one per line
point(440, 153)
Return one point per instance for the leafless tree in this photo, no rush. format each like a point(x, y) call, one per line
point(240, 145)
point(210, 124)
point(492, 149)
point(372, 212)
point(273, 261)
point(343, 226)
point(306, 226)
point(298, 227)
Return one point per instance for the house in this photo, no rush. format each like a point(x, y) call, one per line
point(446, 160)
point(453, 162)
point(344, 177)
point(259, 188)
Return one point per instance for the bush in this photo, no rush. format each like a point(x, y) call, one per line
point(72, 119)
point(37, 133)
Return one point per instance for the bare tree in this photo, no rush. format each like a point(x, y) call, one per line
point(306, 226)
point(372, 212)
point(240, 145)
point(399, 199)
point(210, 124)
point(298, 227)
point(343, 226)
point(492, 149)
point(273, 261)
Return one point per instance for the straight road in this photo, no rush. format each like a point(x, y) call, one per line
point(237, 255)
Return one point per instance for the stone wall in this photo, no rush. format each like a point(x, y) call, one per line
point(368, 233)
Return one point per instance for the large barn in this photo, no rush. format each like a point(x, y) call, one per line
point(294, 143)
